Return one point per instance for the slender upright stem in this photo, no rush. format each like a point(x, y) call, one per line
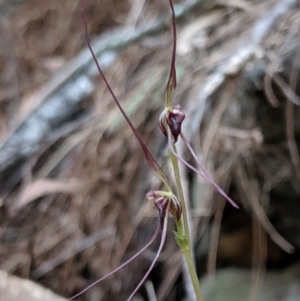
point(183, 236)
point(191, 267)
point(180, 194)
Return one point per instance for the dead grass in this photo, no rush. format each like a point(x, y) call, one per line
point(95, 177)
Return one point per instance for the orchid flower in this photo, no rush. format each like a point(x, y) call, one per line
point(165, 201)
point(171, 119)
point(170, 123)
point(164, 204)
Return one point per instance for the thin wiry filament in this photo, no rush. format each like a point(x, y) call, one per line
point(204, 175)
point(162, 242)
point(122, 265)
point(198, 161)
point(149, 158)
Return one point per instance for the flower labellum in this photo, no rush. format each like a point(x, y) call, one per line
point(174, 120)
point(171, 119)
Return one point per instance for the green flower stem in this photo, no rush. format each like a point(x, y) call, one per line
point(191, 267)
point(174, 161)
point(183, 235)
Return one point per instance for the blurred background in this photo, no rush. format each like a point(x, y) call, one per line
point(73, 178)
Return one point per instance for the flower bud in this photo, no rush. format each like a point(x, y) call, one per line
point(174, 120)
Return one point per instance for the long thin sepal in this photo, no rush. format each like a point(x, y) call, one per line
point(122, 265)
point(162, 242)
point(205, 175)
point(172, 81)
point(198, 161)
point(151, 161)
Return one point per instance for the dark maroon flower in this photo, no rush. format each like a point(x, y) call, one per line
point(162, 204)
point(171, 119)
point(174, 120)
point(176, 209)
